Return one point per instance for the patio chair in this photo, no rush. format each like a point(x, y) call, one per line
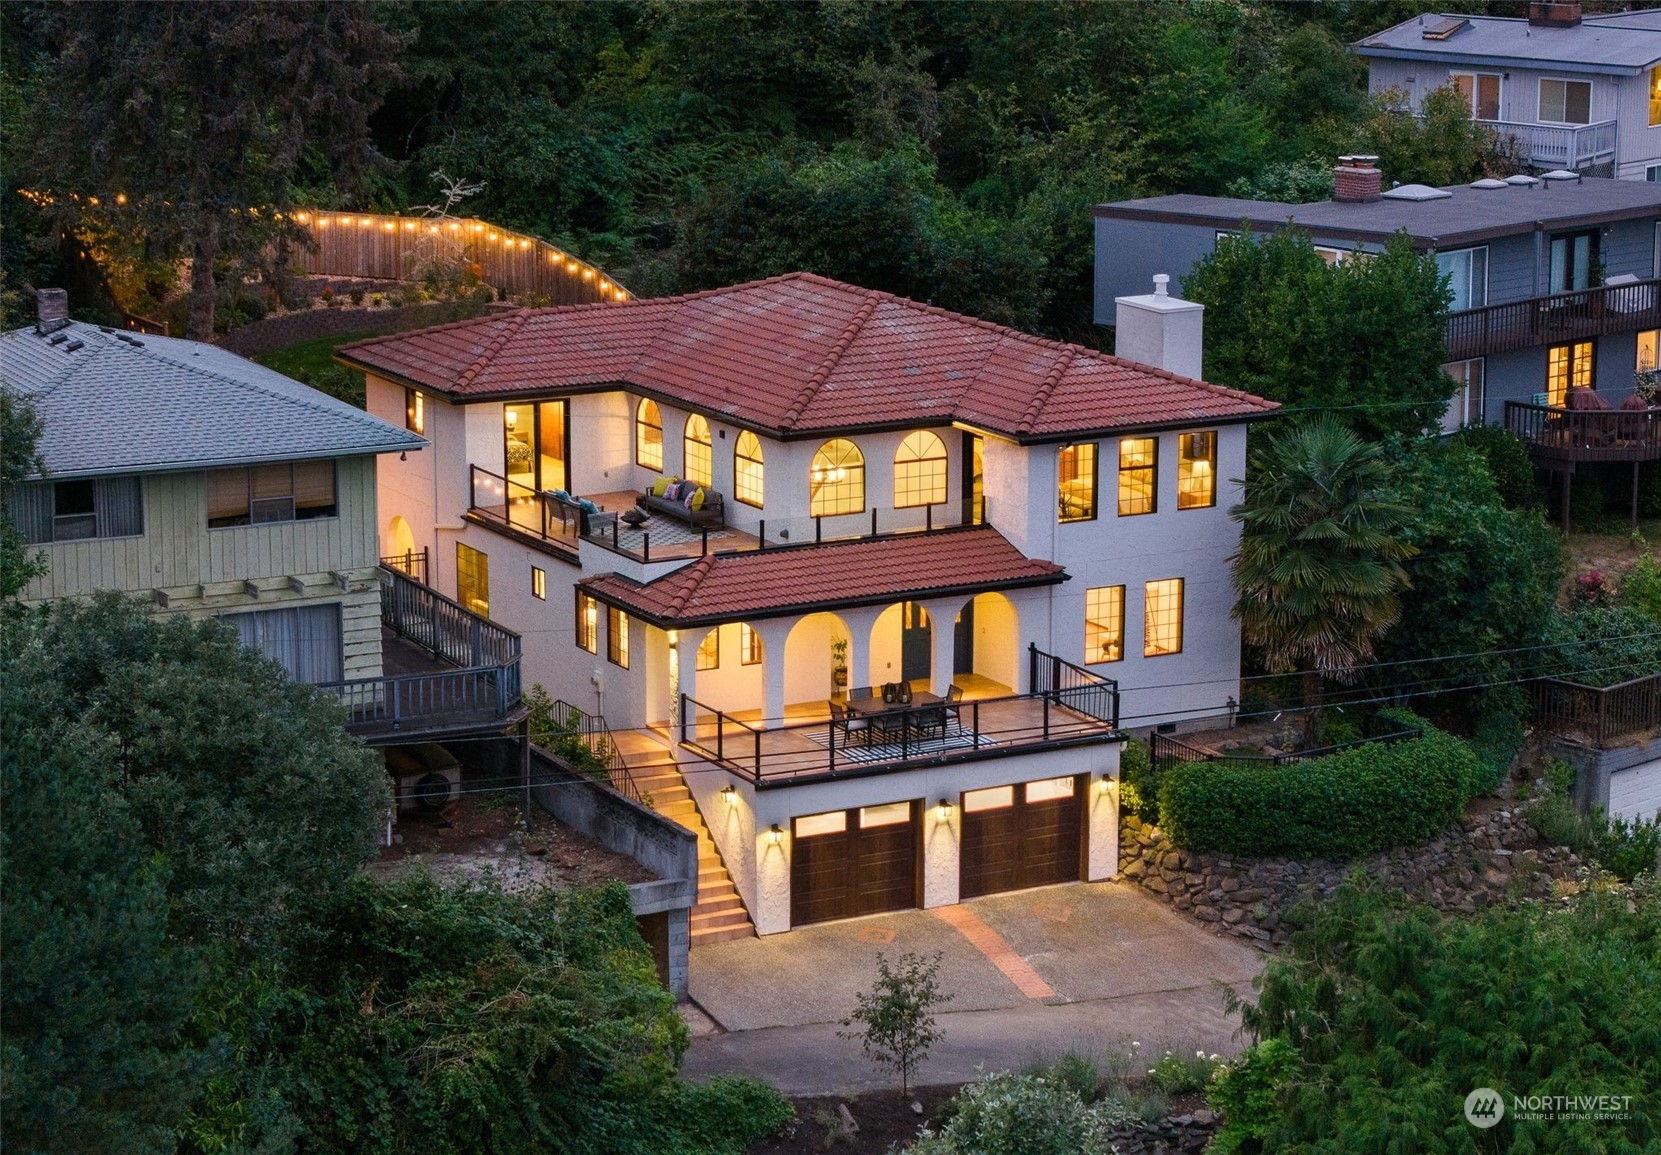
point(848, 724)
point(954, 704)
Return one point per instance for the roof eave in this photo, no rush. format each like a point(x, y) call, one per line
point(417, 443)
point(1393, 52)
point(1145, 427)
point(693, 620)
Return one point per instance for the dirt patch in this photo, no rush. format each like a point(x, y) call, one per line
point(480, 832)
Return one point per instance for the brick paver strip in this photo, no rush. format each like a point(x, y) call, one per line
point(997, 951)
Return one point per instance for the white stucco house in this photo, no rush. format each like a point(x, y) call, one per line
point(724, 522)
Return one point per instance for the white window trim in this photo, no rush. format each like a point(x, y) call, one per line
point(1485, 264)
point(1476, 93)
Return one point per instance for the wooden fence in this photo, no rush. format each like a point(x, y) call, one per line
point(395, 248)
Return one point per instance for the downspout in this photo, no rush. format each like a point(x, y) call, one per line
point(1539, 253)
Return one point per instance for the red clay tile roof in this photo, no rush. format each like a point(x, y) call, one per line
point(800, 579)
point(802, 355)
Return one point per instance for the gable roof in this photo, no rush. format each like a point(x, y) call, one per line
point(802, 355)
point(803, 579)
point(114, 403)
point(1618, 43)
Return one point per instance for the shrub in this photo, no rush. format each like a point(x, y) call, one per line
point(1180, 1075)
point(1499, 735)
point(1072, 1070)
point(357, 296)
point(1246, 1091)
point(1005, 1114)
point(1139, 782)
point(1344, 805)
point(1590, 589)
point(1641, 586)
point(1508, 464)
point(1628, 849)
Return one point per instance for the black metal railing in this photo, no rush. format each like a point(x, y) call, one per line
point(592, 730)
point(921, 735)
point(411, 563)
point(1073, 686)
point(1573, 316)
point(505, 502)
point(1376, 729)
point(1599, 715)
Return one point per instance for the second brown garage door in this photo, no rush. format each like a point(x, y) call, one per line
point(1029, 834)
point(847, 863)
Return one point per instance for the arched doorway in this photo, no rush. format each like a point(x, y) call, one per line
point(986, 641)
point(400, 545)
point(902, 644)
point(811, 657)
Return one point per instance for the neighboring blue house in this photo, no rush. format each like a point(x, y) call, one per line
point(1554, 279)
point(1583, 94)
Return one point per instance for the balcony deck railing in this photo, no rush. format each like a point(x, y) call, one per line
point(517, 507)
point(474, 682)
point(1073, 686)
point(410, 563)
point(1166, 748)
point(1570, 146)
point(1549, 320)
point(1555, 433)
point(1601, 716)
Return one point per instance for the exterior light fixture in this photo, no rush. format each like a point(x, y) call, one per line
point(730, 794)
point(775, 835)
point(945, 809)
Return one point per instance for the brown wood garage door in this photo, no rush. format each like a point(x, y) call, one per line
point(852, 862)
point(1029, 834)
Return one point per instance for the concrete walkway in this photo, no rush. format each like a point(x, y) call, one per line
point(1113, 967)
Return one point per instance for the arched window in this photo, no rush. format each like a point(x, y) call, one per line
point(837, 481)
point(648, 435)
point(920, 470)
point(747, 468)
point(699, 465)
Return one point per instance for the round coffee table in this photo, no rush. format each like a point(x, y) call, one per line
point(633, 518)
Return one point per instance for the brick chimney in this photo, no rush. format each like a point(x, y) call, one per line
point(1554, 13)
point(1357, 180)
point(51, 310)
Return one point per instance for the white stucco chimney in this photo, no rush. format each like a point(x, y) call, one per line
point(1161, 330)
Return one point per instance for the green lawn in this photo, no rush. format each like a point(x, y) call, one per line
point(313, 363)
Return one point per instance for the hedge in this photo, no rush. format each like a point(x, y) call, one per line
point(1342, 806)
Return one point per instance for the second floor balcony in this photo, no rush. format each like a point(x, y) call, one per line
point(1553, 146)
point(1550, 320)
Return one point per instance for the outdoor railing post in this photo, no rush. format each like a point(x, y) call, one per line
point(756, 773)
point(1046, 700)
point(873, 521)
point(974, 714)
point(683, 719)
point(720, 736)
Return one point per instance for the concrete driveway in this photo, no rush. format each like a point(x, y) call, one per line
point(1083, 966)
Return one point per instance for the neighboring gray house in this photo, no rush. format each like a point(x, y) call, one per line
point(1554, 280)
point(1577, 93)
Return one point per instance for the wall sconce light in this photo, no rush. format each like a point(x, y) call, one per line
point(775, 835)
point(944, 809)
point(730, 795)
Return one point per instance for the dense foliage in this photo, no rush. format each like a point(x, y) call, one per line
point(410, 1016)
point(1318, 574)
point(1341, 805)
point(1008, 1114)
point(1601, 645)
point(1396, 1013)
point(19, 458)
point(1361, 338)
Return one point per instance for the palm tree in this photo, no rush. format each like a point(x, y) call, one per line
point(1318, 570)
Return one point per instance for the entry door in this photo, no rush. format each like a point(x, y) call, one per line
point(916, 642)
point(851, 862)
point(1027, 834)
point(963, 642)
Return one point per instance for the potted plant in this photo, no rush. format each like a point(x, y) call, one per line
point(839, 663)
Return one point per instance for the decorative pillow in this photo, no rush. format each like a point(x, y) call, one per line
point(662, 484)
point(696, 501)
point(561, 495)
point(587, 506)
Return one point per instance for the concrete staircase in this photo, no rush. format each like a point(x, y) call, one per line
point(718, 914)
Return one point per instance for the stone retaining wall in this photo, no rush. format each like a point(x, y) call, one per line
point(1477, 861)
point(1179, 1133)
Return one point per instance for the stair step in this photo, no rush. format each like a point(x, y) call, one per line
point(719, 920)
point(717, 905)
point(725, 934)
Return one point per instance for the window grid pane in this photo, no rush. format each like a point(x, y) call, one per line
point(1567, 366)
point(920, 471)
point(700, 464)
point(617, 636)
point(1162, 618)
point(836, 484)
point(648, 435)
point(473, 579)
point(1104, 624)
point(749, 646)
point(588, 623)
point(415, 411)
point(1138, 475)
point(539, 583)
point(1196, 471)
point(709, 651)
point(1076, 475)
point(748, 472)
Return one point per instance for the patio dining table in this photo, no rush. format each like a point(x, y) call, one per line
point(915, 713)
